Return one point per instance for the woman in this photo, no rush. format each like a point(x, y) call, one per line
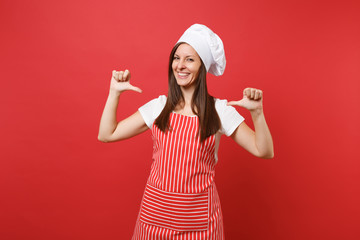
point(180, 198)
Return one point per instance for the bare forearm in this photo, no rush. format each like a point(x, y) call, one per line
point(108, 120)
point(263, 139)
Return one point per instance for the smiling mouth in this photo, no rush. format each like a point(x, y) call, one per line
point(183, 75)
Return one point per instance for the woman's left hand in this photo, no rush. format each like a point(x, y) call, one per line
point(252, 100)
point(259, 142)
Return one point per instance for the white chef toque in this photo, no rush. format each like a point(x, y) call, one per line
point(209, 47)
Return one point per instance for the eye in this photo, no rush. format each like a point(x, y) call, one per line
point(176, 58)
point(190, 59)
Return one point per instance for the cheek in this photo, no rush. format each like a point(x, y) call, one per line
point(196, 71)
point(173, 66)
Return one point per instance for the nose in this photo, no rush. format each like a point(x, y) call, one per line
point(181, 64)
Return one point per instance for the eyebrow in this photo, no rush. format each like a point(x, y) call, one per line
point(185, 56)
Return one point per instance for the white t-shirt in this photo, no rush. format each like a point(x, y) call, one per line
point(229, 117)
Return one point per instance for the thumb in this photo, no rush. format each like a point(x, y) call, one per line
point(136, 89)
point(233, 103)
point(239, 103)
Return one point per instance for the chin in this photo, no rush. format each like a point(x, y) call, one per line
point(185, 83)
point(181, 84)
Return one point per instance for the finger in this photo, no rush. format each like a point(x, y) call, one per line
point(246, 92)
point(252, 93)
point(257, 95)
point(260, 94)
point(126, 76)
point(121, 73)
point(116, 76)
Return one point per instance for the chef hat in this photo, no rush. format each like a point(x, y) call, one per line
point(209, 47)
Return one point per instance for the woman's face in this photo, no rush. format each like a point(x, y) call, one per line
point(186, 65)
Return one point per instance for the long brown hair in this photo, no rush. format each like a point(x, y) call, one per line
point(202, 104)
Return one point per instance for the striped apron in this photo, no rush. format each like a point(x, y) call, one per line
point(180, 199)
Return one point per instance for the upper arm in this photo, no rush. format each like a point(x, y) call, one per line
point(245, 137)
point(140, 121)
point(129, 127)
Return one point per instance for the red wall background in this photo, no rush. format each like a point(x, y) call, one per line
point(58, 182)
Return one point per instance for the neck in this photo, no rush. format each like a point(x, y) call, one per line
point(188, 93)
point(184, 107)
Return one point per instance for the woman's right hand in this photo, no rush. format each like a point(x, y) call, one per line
point(120, 82)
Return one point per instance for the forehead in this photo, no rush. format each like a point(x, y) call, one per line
point(186, 50)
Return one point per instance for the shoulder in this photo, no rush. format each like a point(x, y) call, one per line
point(161, 100)
point(219, 102)
point(158, 102)
point(151, 110)
point(230, 119)
point(223, 109)
point(221, 105)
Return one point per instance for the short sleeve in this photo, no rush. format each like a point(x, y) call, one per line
point(151, 110)
point(229, 117)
